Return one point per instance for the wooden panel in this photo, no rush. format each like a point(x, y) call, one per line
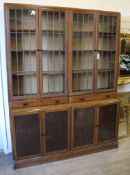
point(107, 122)
point(27, 133)
point(56, 124)
point(83, 126)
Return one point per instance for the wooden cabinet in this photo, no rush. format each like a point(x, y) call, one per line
point(58, 59)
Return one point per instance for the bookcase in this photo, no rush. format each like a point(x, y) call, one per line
point(62, 68)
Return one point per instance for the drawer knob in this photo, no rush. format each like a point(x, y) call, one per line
point(57, 101)
point(25, 104)
point(107, 95)
point(82, 99)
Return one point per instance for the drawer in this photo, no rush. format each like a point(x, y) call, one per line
point(31, 103)
point(82, 98)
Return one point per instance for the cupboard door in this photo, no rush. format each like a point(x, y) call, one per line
point(108, 122)
point(23, 56)
point(27, 135)
point(83, 126)
point(53, 31)
point(107, 54)
point(82, 49)
point(57, 131)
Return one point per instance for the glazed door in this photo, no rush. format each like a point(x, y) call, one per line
point(82, 45)
point(27, 135)
point(107, 52)
point(108, 123)
point(54, 52)
point(22, 29)
point(83, 129)
point(56, 131)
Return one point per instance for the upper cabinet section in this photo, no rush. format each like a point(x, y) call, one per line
point(53, 32)
point(53, 51)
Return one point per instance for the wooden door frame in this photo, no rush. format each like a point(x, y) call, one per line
point(8, 7)
point(117, 48)
point(72, 11)
point(85, 106)
point(13, 133)
point(117, 122)
point(65, 11)
point(57, 109)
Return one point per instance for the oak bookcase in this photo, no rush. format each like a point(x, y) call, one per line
point(62, 75)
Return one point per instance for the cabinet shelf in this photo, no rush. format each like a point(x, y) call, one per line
point(105, 70)
point(103, 50)
point(82, 71)
point(22, 31)
point(53, 73)
point(54, 32)
point(83, 32)
point(85, 50)
point(55, 51)
point(22, 50)
point(32, 73)
point(107, 34)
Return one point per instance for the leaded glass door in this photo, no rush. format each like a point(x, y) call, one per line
point(82, 52)
point(53, 49)
point(107, 52)
point(23, 52)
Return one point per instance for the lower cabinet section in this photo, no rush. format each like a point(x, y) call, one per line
point(62, 131)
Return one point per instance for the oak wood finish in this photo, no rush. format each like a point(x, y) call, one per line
point(60, 124)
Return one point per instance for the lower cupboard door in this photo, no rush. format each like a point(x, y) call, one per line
point(107, 122)
point(83, 126)
point(57, 131)
point(27, 135)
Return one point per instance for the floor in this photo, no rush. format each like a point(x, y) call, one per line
point(112, 162)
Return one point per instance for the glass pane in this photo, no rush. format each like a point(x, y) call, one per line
point(22, 20)
point(23, 51)
point(84, 126)
point(23, 62)
point(24, 85)
point(53, 57)
point(83, 52)
point(56, 130)
point(107, 52)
